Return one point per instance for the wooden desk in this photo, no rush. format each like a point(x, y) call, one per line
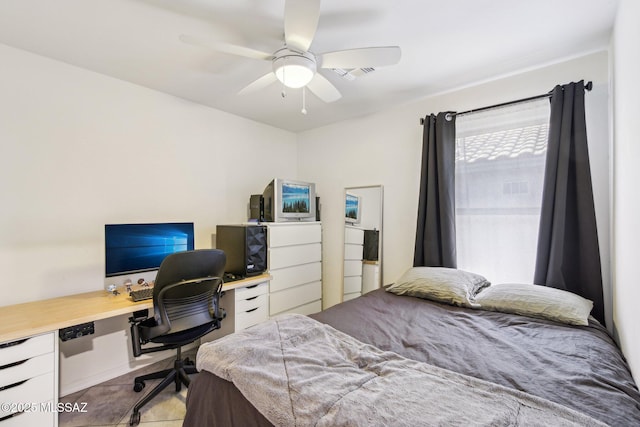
point(33, 318)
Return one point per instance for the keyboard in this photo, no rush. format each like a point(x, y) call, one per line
point(141, 294)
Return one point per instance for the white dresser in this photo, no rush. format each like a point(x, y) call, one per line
point(353, 241)
point(295, 265)
point(29, 381)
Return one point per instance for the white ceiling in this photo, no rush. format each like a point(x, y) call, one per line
point(445, 44)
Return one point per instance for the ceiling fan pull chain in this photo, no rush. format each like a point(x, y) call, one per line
point(304, 100)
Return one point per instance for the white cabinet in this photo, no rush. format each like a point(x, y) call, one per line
point(251, 305)
point(352, 273)
point(29, 375)
point(246, 303)
point(295, 264)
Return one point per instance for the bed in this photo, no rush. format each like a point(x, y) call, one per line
point(578, 368)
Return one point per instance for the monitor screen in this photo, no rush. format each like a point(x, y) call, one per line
point(131, 248)
point(295, 198)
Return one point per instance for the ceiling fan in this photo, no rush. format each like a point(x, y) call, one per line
point(297, 67)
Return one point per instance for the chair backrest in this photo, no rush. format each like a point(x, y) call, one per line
point(187, 290)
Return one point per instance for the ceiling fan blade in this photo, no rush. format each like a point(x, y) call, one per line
point(300, 23)
point(362, 57)
point(260, 83)
point(225, 47)
point(323, 88)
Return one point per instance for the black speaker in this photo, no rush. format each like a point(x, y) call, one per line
point(256, 207)
point(245, 247)
point(317, 208)
point(370, 246)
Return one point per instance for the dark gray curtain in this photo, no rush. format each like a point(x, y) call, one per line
point(568, 256)
point(436, 227)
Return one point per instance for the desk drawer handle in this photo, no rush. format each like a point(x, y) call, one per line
point(251, 287)
point(253, 309)
point(252, 298)
point(11, 365)
point(15, 414)
point(11, 344)
point(13, 385)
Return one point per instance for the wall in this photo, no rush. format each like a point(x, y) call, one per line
point(385, 149)
point(79, 150)
point(626, 197)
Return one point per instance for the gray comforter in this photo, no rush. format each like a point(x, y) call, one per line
point(299, 372)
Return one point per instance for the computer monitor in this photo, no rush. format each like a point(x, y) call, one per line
point(133, 248)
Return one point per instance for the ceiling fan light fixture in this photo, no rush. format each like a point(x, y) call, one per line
point(294, 70)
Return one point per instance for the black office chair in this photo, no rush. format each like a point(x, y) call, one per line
point(186, 306)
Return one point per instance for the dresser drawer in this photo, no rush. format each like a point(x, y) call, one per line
point(307, 309)
point(252, 317)
point(353, 252)
point(294, 297)
point(20, 371)
point(293, 276)
point(26, 349)
point(294, 234)
point(36, 418)
point(251, 303)
point(252, 291)
point(352, 284)
point(347, 297)
point(353, 236)
point(36, 389)
point(289, 256)
point(352, 268)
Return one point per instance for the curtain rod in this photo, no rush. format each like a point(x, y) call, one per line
point(588, 86)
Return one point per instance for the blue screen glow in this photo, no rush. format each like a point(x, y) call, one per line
point(142, 247)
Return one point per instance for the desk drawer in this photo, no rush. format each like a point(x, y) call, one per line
point(36, 389)
point(251, 303)
point(252, 317)
point(23, 370)
point(26, 349)
point(252, 291)
point(38, 418)
point(294, 297)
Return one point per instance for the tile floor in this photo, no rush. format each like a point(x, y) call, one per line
point(111, 403)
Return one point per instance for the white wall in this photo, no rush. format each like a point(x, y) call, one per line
point(79, 150)
point(385, 149)
point(626, 196)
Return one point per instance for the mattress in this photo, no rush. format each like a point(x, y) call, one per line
point(575, 366)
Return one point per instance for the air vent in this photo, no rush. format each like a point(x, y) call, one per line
point(352, 74)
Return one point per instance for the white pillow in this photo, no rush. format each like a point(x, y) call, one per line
point(536, 301)
point(447, 285)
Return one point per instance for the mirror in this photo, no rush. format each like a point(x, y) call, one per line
point(362, 260)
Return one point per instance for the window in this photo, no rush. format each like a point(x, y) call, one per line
point(500, 156)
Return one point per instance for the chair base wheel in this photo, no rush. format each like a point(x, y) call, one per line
point(135, 419)
point(138, 387)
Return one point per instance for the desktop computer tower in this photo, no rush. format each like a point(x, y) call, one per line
point(245, 247)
